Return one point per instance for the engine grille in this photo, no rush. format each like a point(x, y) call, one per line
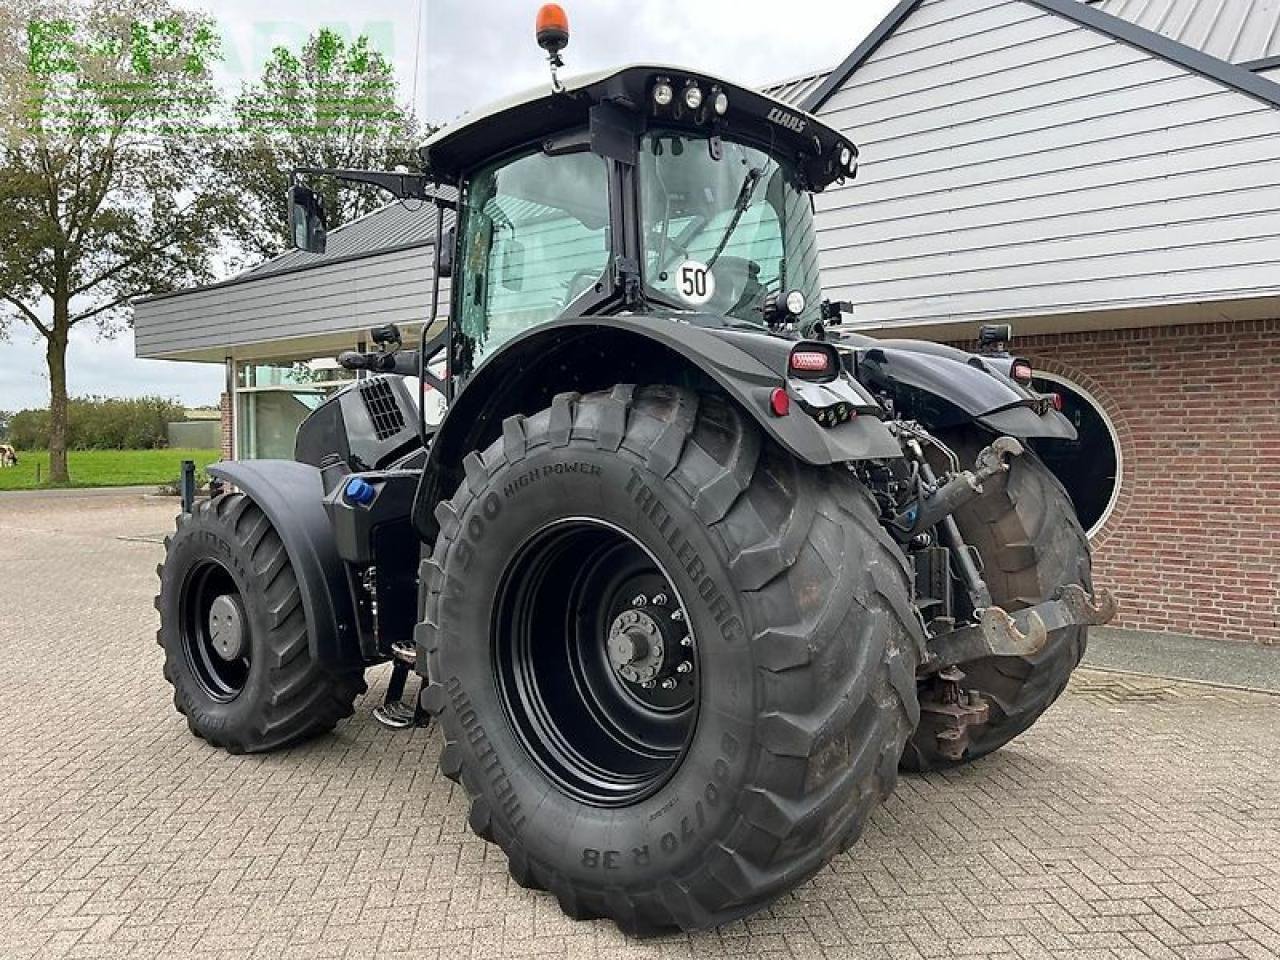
point(380, 403)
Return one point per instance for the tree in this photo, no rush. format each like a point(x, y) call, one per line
point(334, 105)
point(107, 182)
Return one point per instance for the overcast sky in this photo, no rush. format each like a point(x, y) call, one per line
point(452, 56)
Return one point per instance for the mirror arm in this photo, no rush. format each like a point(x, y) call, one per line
point(403, 186)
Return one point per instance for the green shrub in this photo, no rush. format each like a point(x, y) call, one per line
point(101, 423)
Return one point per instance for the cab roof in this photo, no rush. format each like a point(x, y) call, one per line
point(526, 118)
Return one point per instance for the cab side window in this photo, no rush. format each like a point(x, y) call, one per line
point(534, 237)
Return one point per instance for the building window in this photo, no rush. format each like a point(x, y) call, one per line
point(272, 399)
point(1090, 467)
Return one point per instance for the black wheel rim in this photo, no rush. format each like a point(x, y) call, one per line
point(215, 631)
point(597, 665)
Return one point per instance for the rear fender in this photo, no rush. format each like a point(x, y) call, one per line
point(943, 387)
point(594, 353)
point(292, 496)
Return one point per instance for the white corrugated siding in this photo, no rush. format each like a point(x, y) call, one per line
point(1016, 163)
point(390, 287)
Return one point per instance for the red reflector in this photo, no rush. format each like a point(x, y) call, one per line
point(1056, 400)
point(1022, 371)
point(811, 361)
point(779, 402)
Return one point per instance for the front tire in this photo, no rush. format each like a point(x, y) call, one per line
point(1031, 543)
point(235, 637)
point(780, 736)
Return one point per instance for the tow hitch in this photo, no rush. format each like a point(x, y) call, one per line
point(1023, 633)
point(952, 710)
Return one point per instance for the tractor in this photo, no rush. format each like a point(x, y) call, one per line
point(688, 572)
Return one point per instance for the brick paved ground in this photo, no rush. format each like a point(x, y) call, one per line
point(1141, 819)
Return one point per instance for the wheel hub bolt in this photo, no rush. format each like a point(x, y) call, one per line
point(686, 641)
point(660, 600)
point(684, 667)
point(668, 684)
point(677, 615)
point(639, 600)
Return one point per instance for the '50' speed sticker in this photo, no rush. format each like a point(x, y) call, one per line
point(695, 283)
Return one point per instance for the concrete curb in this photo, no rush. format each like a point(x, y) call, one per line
point(1187, 680)
point(1171, 656)
point(71, 493)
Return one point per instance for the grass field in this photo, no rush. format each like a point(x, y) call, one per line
point(105, 468)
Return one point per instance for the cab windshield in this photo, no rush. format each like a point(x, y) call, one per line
point(723, 228)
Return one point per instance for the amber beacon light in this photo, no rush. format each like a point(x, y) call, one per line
point(553, 28)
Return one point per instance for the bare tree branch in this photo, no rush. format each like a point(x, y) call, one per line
point(30, 314)
point(118, 301)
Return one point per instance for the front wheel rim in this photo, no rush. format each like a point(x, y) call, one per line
point(596, 662)
point(215, 631)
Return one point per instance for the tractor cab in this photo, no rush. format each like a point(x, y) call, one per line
point(641, 189)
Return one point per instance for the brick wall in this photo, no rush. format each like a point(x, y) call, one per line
point(1193, 545)
point(228, 436)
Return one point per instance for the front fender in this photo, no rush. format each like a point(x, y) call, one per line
point(594, 353)
point(941, 387)
point(292, 496)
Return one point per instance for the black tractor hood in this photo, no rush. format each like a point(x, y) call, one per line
point(822, 154)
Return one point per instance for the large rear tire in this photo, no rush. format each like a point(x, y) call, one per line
point(1031, 543)
point(571, 545)
point(235, 636)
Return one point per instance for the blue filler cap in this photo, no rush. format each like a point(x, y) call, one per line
point(360, 492)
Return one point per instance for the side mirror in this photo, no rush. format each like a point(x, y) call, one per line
point(513, 265)
point(444, 260)
point(387, 335)
point(307, 225)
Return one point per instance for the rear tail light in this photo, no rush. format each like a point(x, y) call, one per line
point(814, 361)
point(1021, 372)
point(1055, 399)
point(810, 361)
